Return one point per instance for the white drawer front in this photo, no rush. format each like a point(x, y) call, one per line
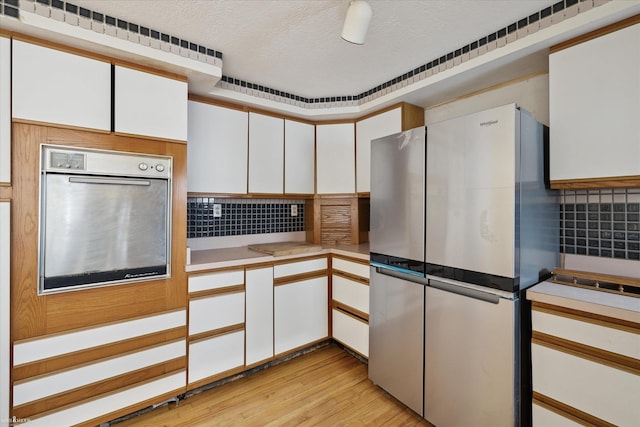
point(207, 314)
point(605, 392)
point(361, 270)
point(223, 279)
point(215, 355)
point(290, 269)
point(610, 339)
point(351, 332)
point(351, 293)
point(542, 417)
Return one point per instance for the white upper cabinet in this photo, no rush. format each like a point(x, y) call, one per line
point(335, 159)
point(266, 154)
point(5, 109)
point(52, 86)
point(217, 149)
point(380, 125)
point(150, 105)
point(299, 158)
point(594, 90)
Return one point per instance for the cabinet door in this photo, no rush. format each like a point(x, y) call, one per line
point(384, 124)
point(5, 307)
point(351, 331)
point(299, 158)
point(5, 110)
point(215, 312)
point(594, 122)
point(335, 159)
point(149, 104)
point(217, 149)
point(212, 356)
point(301, 313)
point(259, 316)
point(58, 87)
point(266, 154)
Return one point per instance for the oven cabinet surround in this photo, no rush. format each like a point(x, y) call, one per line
point(266, 154)
point(52, 86)
point(335, 158)
point(216, 325)
point(150, 104)
point(350, 303)
point(300, 303)
point(585, 359)
point(217, 149)
point(594, 120)
point(92, 355)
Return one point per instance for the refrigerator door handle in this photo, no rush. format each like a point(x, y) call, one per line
point(460, 290)
point(403, 276)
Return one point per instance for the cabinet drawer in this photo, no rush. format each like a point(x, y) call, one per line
point(210, 313)
point(597, 389)
point(351, 332)
point(215, 355)
point(203, 282)
point(293, 268)
point(351, 293)
point(358, 269)
point(543, 417)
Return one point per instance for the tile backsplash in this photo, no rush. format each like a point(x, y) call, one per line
point(242, 216)
point(604, 223)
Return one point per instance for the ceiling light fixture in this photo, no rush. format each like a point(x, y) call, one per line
point(357, 21)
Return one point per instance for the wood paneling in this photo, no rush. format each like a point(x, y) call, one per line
point(324, 387)
point(594, 183)
point(412, 116)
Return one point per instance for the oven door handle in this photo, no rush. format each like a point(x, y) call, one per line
point(112, 181)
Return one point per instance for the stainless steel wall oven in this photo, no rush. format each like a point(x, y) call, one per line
point(105, 218)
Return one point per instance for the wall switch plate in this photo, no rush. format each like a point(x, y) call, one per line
point(294, 210)
point(217, 210)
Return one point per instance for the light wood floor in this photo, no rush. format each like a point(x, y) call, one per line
point(327, 387)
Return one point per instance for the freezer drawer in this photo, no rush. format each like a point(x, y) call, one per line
point(396, 338)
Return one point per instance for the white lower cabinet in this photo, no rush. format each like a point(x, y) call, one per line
point(351, 331)
point(215, 355)
point(215, 312)
point(544, 417)
point(259, 315)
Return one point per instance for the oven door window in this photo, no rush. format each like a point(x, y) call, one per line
point(103, 230)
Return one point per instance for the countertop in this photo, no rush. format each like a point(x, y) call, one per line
point(239, 256)
point(588, 300)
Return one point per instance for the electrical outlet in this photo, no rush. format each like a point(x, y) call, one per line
point(217, 210)
point(294, 210)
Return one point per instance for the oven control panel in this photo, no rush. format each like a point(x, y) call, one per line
point(61, 160)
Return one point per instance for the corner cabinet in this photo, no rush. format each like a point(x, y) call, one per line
point(595, 131)
point(217, 149)
point(52, 86)
point(335, 159)
point(149, 104)
point(266, 154)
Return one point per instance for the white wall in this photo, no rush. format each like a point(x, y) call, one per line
point(531, 94)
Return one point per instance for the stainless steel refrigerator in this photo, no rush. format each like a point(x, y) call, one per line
point(490, 230)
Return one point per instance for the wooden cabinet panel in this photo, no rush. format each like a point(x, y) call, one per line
point(150, 104)
point(380, 125)
point(335, 159)
point(299, 158)
point(215, 355)
point(5, 110)
point(594, 123)
point(300, 313)
point(52, 86)
point(217, 149)
point(350, 331)
point(219, 311)
point(266, 154)
point(259, 316)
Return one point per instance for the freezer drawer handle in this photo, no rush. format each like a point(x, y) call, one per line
point(112, 181)
point(471, 293)
point(402, 276)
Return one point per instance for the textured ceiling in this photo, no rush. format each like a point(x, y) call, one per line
point(295, 45)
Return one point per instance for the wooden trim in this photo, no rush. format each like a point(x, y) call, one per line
point(632, 181)
point(351, 276)
point(582, 316)
point(152, 138)
point(217, 102)
point(6, 193)
point(215, 377)
point(252, 196)
point(351, 259)
point(202, 336)
point(107, 351)
point(149, 70)
point(412, 116)
point(335, 196)
point(280, 281)
point(5, 33)
point(364, 195)
point(596, 33)
point(217, 291)
point(59, 126)
point(594, 354)
point(350, 311)
point(336, 122)
point(104, 386)
point(569, 412)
